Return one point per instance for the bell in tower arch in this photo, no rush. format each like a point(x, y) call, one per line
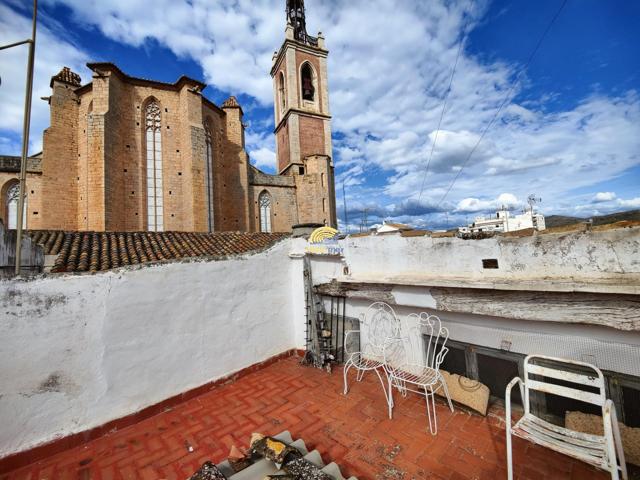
point(308, 91)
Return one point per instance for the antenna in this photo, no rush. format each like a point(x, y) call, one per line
point(532, 200)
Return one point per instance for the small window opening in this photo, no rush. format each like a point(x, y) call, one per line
point(489, 263)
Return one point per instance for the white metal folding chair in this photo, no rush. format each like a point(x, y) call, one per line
point(377, 325)
point(413, 362)
point(601, 451)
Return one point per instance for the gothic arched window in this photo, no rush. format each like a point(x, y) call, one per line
point(283, 100)
point(11, 201)
point(208, 160)
point(155, 221)
point(308, 89)
point(264, 200)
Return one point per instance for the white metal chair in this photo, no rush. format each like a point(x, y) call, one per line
point(377, 325)
point(413, 362)
point(596, 450)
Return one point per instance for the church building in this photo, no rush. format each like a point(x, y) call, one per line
point(131, 154)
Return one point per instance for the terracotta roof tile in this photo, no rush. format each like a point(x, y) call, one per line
point(99, 251)
point(67, 76)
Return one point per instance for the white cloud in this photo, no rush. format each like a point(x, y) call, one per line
point(604, 197)
point(472, 205)
point(389, 66)
point(51, 54)
point(631, 203)
point(264, 159)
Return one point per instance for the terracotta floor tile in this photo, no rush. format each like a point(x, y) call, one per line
point(353, 431)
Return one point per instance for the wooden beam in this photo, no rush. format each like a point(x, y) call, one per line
point(617, 311)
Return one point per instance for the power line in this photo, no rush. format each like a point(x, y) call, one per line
point(444, 105)
point(504, 101)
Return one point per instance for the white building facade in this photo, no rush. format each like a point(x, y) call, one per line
point(505, 221)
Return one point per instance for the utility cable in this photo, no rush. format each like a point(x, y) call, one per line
point(444, 105)
point(504, 101)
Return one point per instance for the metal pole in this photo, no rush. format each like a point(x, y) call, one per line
point(16, 44)
point(25, 138)
point(346, 220)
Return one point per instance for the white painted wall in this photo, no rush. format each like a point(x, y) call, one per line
point(606, 261)
point(599, 261)
point(79, 351)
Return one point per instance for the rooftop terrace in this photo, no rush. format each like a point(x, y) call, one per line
point(353, 430)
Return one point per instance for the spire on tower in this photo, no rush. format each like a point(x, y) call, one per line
point(296, 18)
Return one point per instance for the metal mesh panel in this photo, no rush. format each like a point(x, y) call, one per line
point(607, 355)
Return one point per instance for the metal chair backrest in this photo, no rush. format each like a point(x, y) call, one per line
point(422, 343)
point(377, 325)
point(551, 367)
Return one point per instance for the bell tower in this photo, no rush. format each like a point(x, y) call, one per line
point(301, 107)
point(302, 118)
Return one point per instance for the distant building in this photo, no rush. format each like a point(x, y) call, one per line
point(388, 227)
point(131, 154)
point(505, 221)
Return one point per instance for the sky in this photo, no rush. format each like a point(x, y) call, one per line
point(568, 130)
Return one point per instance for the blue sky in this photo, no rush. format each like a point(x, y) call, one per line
point(569, 132)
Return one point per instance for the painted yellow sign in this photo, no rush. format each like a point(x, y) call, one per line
point(324, 241)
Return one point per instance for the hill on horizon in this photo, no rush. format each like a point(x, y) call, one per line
point(561, 220)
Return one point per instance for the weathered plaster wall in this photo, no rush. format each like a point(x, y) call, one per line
point(600, 261)
point(79, 351)
point(538, 300)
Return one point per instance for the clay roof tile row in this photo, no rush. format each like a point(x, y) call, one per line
point(99, 251)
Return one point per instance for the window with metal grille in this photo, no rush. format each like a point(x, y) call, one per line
point(11, 201)
point(155, 219)
point(264, 201)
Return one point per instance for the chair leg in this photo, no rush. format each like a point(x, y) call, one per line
point(429, 397)
point(360, 375)
point(390, 397)
point(384, 389)
point(619, 450)
point(347, 366)
point(446, 390)
point(509, 452)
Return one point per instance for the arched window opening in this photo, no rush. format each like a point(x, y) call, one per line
point(308, 90)
point(208, 160)
point(155, 221)
point(265, 212)
point(11, 201)
point(283, 100)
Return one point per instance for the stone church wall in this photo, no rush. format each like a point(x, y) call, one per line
point(315, 196)
point(59, 163)
point(234, 175)
point(284, 212)
point(312, 131)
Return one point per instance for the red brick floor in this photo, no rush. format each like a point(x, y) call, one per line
point(353, 431)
